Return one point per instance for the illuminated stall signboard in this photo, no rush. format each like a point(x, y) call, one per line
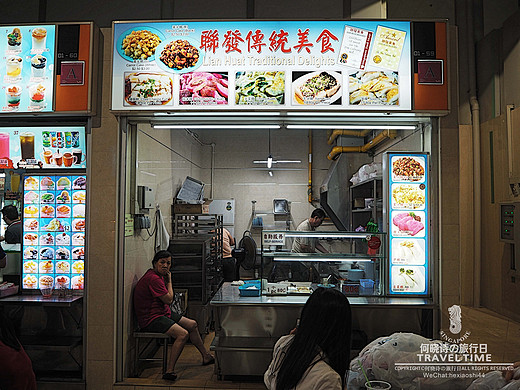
point(42, 147)
point(27, 68)
point(53, 240)
point(408, 223)
point(358, 65)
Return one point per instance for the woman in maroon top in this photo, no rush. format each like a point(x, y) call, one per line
point(16, 371)
point(153, 295)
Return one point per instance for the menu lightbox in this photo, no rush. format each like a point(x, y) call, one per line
point(357, 65)
point(53, 240)
point(408, 223)
point(27, 68)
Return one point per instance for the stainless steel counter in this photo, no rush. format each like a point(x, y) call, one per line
point(246, 328)
point(229, 295)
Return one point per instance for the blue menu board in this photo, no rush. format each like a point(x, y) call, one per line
point(408, 224)
point(27, 68)
point(53, 241)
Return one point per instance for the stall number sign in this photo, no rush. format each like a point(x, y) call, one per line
point(273, 239)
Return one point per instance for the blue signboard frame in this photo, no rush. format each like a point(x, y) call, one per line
point(408, 223)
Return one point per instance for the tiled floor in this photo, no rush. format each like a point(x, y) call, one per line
point(191, 375)
point(501, 335)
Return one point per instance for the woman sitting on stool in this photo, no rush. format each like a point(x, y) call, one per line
point(316, 354)
point(153, 295)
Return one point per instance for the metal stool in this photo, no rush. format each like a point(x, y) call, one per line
point(151, 337)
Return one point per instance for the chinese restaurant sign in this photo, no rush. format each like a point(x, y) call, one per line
point(27, 68)
point(408, 225)
point(42, 147)
point(262, 65)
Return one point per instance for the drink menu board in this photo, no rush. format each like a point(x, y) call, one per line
point(408, 225)
point(27, 68)
point(53, 239)
point(42, 147)
point(359, 65)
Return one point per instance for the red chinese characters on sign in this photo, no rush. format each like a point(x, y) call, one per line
point(303, 41)
point(325, 37)
point(255, 41)
point(278, 41)
point(209, 40)
point(231, 41)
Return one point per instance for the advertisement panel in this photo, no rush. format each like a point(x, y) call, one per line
point(358, 65)
point(27, 68)
point(408, 223)
point(42, 147)
point(53, 238)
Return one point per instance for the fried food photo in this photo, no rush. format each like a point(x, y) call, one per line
point(179, 54)
point(140, 45)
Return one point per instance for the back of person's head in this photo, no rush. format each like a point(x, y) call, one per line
point(10, 212)
point(7, 332)
point(320, 213)
point(162, 254)
point(325, 326)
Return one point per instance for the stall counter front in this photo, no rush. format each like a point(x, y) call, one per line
point(246, 328)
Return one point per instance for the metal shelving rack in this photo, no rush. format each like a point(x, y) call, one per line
point(371, 188)
point(196, 248)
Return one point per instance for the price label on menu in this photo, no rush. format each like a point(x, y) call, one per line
point(27, 68)
point(53, 238)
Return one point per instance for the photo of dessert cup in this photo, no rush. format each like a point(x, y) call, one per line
point(37, 95)
point(14, 67)
point(38, 65)
point(39, 38)
point(14, 40)
point(13, 93)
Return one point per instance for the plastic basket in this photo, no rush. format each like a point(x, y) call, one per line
point(366, 286)
point(245, 292)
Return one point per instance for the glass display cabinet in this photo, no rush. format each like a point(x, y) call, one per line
point(353, 262)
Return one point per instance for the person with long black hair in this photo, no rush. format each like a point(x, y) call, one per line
point(16, 371)
point(317, 355)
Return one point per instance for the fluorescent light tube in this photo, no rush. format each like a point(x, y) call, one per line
point(321, 259)
point(353, 127)
point(270, 173)
point(213, 127)
point(269, 161)
point(278, 161)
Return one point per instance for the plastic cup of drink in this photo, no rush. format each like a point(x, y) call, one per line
point(58, 158)
point(37, 94)
point(14, 66)
point(38, 63)
point(47, 155)
point(47, 289)
point(13, 93)
point(27, 145)
point(377, 385)
point(4, 145)
point(39, 38)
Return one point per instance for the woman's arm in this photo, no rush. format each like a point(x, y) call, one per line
point(168, 298)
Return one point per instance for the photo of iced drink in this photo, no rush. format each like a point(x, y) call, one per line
point(4, 145)
point(27, 145)
point(39, 37)
point(14, 66)
point(38, 63)
point(12, 94)
point(37, 95)
point(58, 158)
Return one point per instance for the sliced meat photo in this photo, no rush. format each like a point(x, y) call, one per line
point(407, 222)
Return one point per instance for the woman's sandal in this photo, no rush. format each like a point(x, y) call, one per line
point(170, 376)
point(211, 361)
